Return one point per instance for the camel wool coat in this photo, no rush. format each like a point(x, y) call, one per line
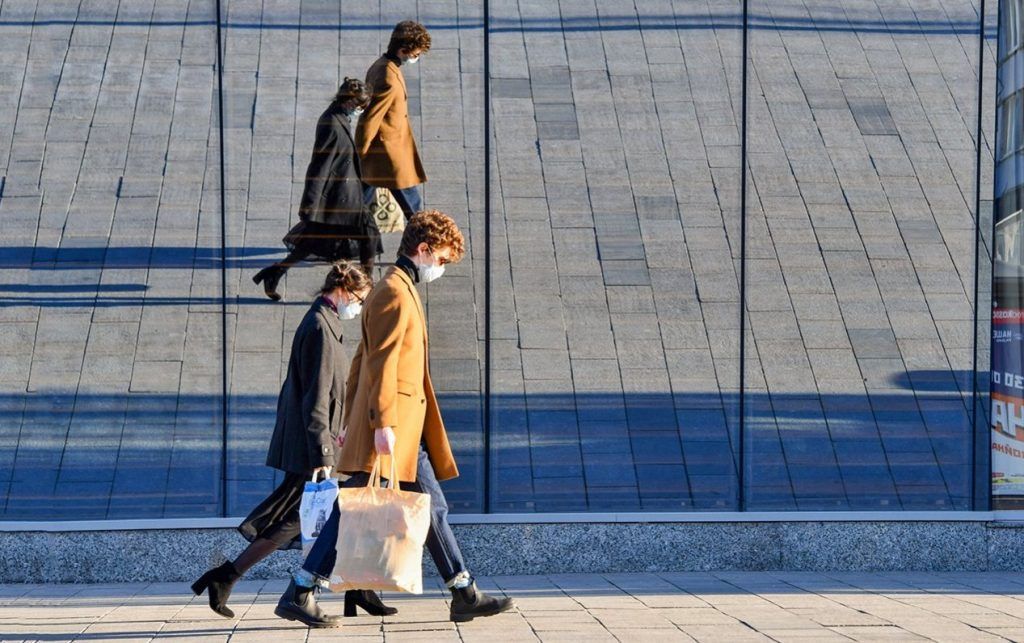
point(384, 137)
point(389, 385)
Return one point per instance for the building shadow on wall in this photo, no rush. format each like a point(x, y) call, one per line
point(68, 456)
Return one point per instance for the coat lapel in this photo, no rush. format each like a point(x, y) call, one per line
point(330, 318)
point(419, 304)
point(401, 77)
point(415, 294)
point(346, 124)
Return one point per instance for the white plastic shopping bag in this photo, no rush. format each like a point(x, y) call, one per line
point(316, 506)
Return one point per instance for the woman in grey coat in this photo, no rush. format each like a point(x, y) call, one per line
point(334, 222)
point(307, 433)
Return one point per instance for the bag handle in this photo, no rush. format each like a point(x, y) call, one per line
point(375, 477)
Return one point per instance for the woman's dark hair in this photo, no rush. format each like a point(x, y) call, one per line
point(410, 36)
point(354, 88)
point(348, 276)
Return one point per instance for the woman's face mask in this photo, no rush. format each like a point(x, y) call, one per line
point(350, 310)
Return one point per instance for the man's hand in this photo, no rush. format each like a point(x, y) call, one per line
point(324, 470)
point(339, 440)
point(384, 440)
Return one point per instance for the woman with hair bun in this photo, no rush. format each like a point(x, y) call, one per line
point(307, 435)
point(334, 221)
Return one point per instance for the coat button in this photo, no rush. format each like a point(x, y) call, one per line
point(422, 401)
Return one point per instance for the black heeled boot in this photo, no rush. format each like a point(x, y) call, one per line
point(368, 600)
point(218, 582)
point(299, 604)
point(270, 276)
point(469, 603)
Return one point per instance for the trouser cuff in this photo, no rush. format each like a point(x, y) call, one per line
point(309, 580)
point(460, 580)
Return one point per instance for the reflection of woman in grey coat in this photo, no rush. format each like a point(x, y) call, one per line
point(307, 431)
point(334, 222)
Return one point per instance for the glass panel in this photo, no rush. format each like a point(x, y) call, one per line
point(110, 334)
point(1012, 17)
point(1006, 399)
point(861, 233)
point(283, 66)
point(615, 232)
point(1011, 132)
point(983, 335)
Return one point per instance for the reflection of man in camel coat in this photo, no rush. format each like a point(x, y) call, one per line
point(384, 136)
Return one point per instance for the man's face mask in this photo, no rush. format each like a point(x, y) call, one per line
point(431, 272)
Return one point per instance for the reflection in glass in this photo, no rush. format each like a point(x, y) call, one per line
point(110, 319)
point(615, 225)
point(860, 296)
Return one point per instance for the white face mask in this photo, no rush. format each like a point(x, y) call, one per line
point(350, 310)
point(412, 59)
point(357, 112)
point(429, 273)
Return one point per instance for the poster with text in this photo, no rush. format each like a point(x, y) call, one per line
point(1007, 402)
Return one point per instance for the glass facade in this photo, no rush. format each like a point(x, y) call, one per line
point(720, 256)
point(1007, 328)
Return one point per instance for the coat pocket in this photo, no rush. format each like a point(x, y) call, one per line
point(391, 133)
point(405, 388)
point(336, 417)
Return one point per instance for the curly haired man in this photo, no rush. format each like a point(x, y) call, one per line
point(390, 409)
point(384, 137)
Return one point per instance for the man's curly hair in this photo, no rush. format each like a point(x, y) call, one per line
point(437, 230)
point(409, 35)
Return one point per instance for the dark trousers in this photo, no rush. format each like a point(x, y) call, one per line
point(408, 198)
point(441, 541)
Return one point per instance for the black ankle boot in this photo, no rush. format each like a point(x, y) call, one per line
point(299, 604)
point(270, 276)
point(368, 600)
point(218, 583)
point(469, 603)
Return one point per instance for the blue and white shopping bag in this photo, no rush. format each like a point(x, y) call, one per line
point(317, 503)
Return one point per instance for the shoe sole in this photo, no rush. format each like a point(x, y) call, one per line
point(465, 618)
point(289, 616)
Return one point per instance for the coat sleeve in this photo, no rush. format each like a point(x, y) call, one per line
point(384, 332)
point(370, 122)
point(318, 173)
point(318, 357)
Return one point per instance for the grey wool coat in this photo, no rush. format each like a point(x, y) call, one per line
point(333, 193)
point(309, 408)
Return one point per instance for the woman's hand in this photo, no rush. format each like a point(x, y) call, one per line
point(324, 470)
point(384, 440)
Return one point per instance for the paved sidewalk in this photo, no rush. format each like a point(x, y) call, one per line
point(724, 606)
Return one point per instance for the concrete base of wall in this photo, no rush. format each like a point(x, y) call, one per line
point(499, 549)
